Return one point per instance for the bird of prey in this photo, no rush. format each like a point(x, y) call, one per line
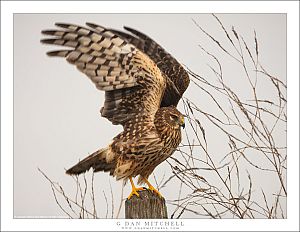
point(143, 85)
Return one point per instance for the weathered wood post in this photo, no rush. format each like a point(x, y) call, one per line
point(148, 205)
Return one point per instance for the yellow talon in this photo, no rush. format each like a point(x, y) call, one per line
point(134, 189)
point(133, 192)
point(151, 188)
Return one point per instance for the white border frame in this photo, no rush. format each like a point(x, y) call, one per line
point(7, 11)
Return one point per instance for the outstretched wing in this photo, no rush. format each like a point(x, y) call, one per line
point(177, 78)
point(132, 82)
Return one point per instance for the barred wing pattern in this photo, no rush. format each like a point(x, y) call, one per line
point(176, 76)
point(132, 82)
point(142, 84)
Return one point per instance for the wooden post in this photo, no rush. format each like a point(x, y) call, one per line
point(148, 205)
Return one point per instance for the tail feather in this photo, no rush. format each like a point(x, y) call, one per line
point(97, 161)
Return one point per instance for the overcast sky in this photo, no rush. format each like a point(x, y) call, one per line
point(56, 108)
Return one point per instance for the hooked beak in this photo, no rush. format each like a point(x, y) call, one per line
point(182, 124)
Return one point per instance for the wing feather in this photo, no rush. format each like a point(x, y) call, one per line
point(177, 78)
point(132, 82)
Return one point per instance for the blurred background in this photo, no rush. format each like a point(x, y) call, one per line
point(57, 119)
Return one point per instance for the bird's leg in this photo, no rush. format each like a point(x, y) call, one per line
point(134, 189)
point(151, 188)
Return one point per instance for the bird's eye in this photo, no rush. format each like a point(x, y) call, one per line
point(173, 117)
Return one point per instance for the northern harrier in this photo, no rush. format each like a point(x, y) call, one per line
point(142, 83)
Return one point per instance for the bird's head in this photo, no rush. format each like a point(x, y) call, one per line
point(175, 118)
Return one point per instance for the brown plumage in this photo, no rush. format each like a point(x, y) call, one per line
point(142, 83)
